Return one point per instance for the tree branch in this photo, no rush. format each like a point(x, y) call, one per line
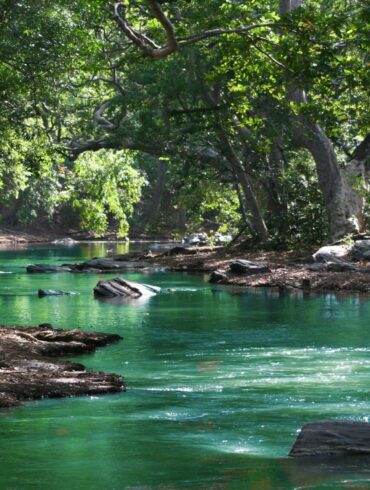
point(150, 48)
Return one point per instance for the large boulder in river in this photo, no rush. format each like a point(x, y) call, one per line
point(47, 268)
point(332, 438)
point(127, 289)
point(331, 252)
point(248, 268)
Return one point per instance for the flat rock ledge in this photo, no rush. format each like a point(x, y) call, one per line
point(332, 438)
point(29, 370)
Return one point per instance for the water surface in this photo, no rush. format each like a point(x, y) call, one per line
point(219, 381)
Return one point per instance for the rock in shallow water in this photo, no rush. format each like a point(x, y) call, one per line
point(53, 292)
point(332, 438)
point(127, 289)
point(47, 268)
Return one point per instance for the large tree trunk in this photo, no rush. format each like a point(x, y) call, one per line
point(154, 206)
point(344, 205)
point(257, 220)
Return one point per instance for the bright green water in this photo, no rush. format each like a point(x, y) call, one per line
point(218, 381)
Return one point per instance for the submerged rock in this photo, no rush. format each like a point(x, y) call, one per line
point(332, 438)
point(47, 268)
point(29, 371)
point(127, 289)
point(248, 268)
point(53, 292)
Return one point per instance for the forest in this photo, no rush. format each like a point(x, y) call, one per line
point(164, 117)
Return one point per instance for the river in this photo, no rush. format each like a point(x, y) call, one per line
point(219, 380)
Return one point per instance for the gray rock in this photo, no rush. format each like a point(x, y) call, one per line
point(52, 292)
point(102, 264)
point(178, 251)
point(217, 276)
point(222, 239)
point(120, 287)
point(361, 250)
point(330, 252)
point(65, 241)
point(47, 268)
point(332, 438)
point(248, 268)
point(342, 266)
point(318, 267)
point(195, 239)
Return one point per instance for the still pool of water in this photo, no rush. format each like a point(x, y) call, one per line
point(219, 380)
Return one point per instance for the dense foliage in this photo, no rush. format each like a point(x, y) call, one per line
point(173, 116)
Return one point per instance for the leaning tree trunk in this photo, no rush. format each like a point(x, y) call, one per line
point(257, 220)
point(343, 204)
point(154, 205)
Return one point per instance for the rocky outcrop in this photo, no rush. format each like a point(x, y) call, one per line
point(47, 268)
point(29, 370)
point(119, 287)
point(53, 292)
point(332, 438)
point(248, 268)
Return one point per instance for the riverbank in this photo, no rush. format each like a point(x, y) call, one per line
point(29, 370)
point(287, 270)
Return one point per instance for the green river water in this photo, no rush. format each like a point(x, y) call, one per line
point(219, 380)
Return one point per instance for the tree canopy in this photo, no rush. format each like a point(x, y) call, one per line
point(176, 115)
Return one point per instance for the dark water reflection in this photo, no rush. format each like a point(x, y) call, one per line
point(219, 380)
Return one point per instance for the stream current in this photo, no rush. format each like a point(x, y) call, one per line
point(219, 380)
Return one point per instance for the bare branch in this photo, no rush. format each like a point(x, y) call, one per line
point(219, 32)
point(150, 48)
point(144, 43)
point(167, 25)
point(100, 119)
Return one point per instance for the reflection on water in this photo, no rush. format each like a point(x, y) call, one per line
point(219, 381)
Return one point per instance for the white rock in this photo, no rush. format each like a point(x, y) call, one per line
point(327, 253)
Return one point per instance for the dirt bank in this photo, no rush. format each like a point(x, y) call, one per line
point(289, 270)
point(29, 370)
